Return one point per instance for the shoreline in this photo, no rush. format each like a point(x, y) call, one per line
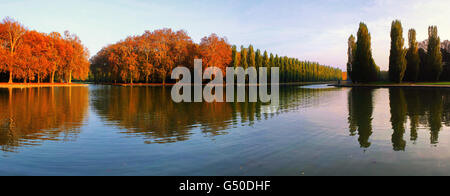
point(171, 84)
point(46, 85)
point(405, 85)
point(40, 85)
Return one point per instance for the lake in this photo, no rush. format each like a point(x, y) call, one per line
point(317, 130)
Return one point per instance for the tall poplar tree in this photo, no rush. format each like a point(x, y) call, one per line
point(244, 55)
point(351, 56)
point(397, 59)
point(364, 67)
point(234, 56)
point(412, 58)
point(266, 64)
point(251, 59)
point(434, 57)
point(258, 59)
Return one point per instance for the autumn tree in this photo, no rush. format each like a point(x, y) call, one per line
point(35, 52)
point(156, 53)
point(76, 63)
point(215, 52)
point(12, 37)
point(35, 56)
point(56, 53)
point(145, 44)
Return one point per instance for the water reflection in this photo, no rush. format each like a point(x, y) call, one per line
point(149, 112)
point(398, 118)
point(427, 108)
point(30, 116)
point(360, 106)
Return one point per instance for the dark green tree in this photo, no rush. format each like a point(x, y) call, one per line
point(397, 59)
point(251, 59)
point(423, 74)
point(364, 67)
point(266, 63)
point(351, 55)
point(234, 56)
point(412, 58)
point(244, 54)
point(398, 118)
point(434, 55)
point(258, 59)
point(360, 105)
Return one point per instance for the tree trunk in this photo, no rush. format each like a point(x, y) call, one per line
point(70, 77)
point(164, 79)
point(52, 78)
point(10, 78)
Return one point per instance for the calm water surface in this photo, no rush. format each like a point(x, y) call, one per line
point(105, 130)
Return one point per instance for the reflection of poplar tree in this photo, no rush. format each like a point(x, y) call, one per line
point(398, 118)
point(360, 114)
point(446, 108)
point(435, 115)
point(413, 104)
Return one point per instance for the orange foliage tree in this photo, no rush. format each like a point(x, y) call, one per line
point(215, 52)
point(149, 57)
point(11, 34)
point(35, 56)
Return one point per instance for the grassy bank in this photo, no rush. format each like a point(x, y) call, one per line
point(40, 85)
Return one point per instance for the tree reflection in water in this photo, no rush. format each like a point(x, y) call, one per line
point(30, 116)
point(427, 108)
point(360, 106)
point(149, 112)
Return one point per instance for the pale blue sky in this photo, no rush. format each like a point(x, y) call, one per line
point(308, 30)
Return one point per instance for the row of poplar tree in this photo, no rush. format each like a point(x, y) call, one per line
point(405, 64)
point(411, 64)
point(291, 69)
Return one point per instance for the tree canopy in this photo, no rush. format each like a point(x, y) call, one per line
point(30, 56)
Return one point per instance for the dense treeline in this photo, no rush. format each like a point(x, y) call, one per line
point(152, 56)
point(29, 55)
point(291, 69)
point(429, 62)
